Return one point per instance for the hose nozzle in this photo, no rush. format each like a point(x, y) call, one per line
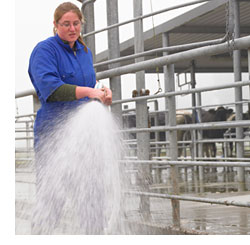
point(99, 85)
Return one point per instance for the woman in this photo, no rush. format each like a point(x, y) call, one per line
point(61, 70)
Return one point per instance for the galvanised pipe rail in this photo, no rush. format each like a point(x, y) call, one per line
point(21, 150)
point(240, 43)
point(177, 48)
point(199, 126)
point(212, 105)
point(189, 163)
point(25, 121)
point(194, 199)
point(190, 91)
point(196, 141)
point(24, 159)
point(24, 130)
point(25, 93)
point(220, 140)
point(25, 138)
point(205, 158)
point(25, 115)
point(186, 108)
point(145, 16)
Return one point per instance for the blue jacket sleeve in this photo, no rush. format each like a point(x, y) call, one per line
point(43, 71)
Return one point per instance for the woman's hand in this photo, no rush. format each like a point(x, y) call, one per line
point(105, 96)
point(108, 96)
point(92, 93)
point(102, 94)
point(97, 93)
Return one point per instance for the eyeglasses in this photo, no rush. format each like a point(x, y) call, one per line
point(68, 24)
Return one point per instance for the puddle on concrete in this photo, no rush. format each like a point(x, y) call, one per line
point(205, 218)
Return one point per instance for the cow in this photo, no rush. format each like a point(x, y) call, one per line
point(182, 117)
point(214, 115)
point(129, 121)
point(231, 131)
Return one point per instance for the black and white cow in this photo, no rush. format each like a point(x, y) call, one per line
point(231, 131)
point(129, 121)
point(214, 115)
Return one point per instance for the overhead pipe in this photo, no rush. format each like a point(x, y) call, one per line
point(240, 43)
point(177, 48)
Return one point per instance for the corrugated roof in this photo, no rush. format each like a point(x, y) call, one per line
point(206, 22)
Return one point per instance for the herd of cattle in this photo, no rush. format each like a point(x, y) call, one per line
point(219, 114)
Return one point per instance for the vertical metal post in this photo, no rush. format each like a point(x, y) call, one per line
point(89, 26)
point(36, 104)
point(234, 5)
point(193, 83)
point(115, 82)
point(114, 52)
point(143, 146)
point(157, 138)
point(27, 135)
point(200, 145)
point(193, 134)
point(248, 55)
point(157, 134)
point(165, 43)
point(173, 149)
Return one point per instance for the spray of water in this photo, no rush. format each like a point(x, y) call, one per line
point(78, 183)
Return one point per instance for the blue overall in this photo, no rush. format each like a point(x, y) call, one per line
point(52, 64)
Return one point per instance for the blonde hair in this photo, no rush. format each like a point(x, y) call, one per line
point(63, 9)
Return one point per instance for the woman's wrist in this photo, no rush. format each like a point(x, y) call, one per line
point(82, 92)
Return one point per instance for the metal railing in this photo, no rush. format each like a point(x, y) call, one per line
point(240, 43)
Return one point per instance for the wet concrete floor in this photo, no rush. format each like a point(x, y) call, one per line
point(196, 218)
